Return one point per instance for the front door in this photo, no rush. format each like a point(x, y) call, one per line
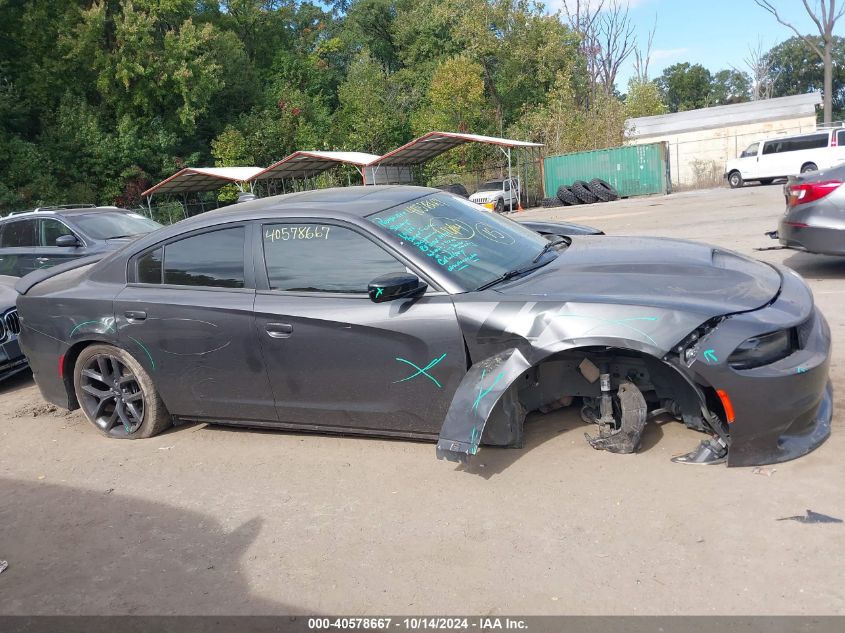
point(187, 317)
point(46, 252)
point(338, 361)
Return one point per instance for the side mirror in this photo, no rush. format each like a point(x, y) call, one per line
point(395, 286)
point(67, 240)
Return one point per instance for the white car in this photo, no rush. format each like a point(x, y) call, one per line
point(787, 156)
point(498, 195)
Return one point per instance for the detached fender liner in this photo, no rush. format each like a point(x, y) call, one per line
point(484, 397)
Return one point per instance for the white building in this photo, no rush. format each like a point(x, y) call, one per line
point(702, 141)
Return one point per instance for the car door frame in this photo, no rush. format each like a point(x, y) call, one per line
point(434, 291)
point(47, 256)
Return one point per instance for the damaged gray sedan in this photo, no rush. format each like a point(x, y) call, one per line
point(410, 312)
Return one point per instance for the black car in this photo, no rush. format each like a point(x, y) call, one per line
point(411, 312)
point(52, 235)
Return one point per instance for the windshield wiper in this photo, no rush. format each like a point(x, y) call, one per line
point(547, 248)
point(525, 269)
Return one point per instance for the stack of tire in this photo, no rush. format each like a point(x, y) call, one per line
point(582, 192)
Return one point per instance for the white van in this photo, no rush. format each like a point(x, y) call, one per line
point(787, 156)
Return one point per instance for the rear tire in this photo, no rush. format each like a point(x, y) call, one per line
point(117, 395)
point(548, 203)
point(735, 180)
point(581, 189)
point(808, 167)
point(500, 206)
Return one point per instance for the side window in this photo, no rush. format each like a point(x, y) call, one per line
point(750, 151)
point(149, 267)
point(18, 234)
point(507, 185)
point(323, 258)
point(840, 138)
point(771, 147)
point(214, 259)
point(49, 230)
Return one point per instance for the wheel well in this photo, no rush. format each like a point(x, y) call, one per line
point(68, 364)
point(559, 377)
point(809, 162)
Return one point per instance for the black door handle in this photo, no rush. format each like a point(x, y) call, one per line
point(135, 315)
point(279, 330)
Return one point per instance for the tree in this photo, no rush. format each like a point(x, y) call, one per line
point(607, 38)
point(643, 99)
point(685, 87)
point(825, 16)
point(729, 86)
point(372, 114)
point(763, 75)
point(455, 100)
point(796, 69)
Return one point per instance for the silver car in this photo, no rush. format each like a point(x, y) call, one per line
point(815, 212)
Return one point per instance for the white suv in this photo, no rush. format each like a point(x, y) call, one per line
point(787, 156)
point(498, 195)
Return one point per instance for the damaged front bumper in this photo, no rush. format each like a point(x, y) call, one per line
point(778, 411)
point(781, 410)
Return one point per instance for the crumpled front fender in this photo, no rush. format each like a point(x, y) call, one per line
point(484, 385)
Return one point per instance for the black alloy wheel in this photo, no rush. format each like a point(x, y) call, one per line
point(111, 395)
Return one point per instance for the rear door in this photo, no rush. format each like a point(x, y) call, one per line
point(338, 361)
point(187, 316)
point(17, 247)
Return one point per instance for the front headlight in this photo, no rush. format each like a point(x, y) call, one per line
point(763, 350)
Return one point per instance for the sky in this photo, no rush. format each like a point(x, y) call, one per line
point(713, 33)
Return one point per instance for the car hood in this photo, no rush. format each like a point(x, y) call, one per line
point(487, 194)
point(657, 272)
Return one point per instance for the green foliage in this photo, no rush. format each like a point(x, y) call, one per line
point(99, 99)
point(796, 69)
point(730, 86)
point(643, 99)
point(685, 87)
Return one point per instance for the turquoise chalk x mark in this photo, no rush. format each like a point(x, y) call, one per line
point(623, 322)
point(144, 347)
point(421, 371)
point(801, 370)
point(484, 392)
point(474, 438)
point(710, 356)
point(379, 292)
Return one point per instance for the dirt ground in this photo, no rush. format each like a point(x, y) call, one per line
point(212, 520)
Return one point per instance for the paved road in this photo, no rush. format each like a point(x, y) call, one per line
point(213, 520)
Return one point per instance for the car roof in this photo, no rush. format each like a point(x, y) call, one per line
point(794, 136)
point(60, 212)
point(357, 201)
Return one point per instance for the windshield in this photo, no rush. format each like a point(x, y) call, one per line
point(493, 184)
point(467, 243)
point(106, 225)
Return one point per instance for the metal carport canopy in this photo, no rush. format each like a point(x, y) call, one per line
point(193, 179)
point(303, 164)
point(433, 144)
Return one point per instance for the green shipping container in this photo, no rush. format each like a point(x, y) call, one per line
point(633, 170)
